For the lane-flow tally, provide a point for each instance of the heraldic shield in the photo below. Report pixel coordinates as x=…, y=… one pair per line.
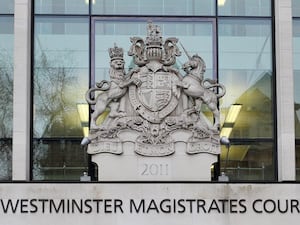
x=153, y=99
x=155, y=91
x=153, y=107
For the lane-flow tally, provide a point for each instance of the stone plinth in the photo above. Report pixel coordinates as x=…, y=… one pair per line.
x=130, y=166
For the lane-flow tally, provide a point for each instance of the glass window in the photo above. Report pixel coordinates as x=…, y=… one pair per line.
x=296, y=59
x=154, y=7
x=61, y=77
x=61, y=71
x=6, y=95
x=296, y=8
x=7, y=6
x=61, y=6
x=196, y=37
x=244, y=7
x=245, y=68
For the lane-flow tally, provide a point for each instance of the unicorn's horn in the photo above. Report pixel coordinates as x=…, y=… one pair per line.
x=185, y=51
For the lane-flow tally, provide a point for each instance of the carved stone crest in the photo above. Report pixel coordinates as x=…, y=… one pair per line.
x=154, y=106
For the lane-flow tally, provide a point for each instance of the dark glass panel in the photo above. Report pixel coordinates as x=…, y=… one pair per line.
x=297, y=161
x=5, y=159
x=58, y=159
x=252, y=161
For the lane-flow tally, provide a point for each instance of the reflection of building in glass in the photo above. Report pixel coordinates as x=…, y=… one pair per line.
x=255, y=118
x=253, y=121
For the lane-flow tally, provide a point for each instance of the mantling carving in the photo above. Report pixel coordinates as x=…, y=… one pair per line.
x=153, y=105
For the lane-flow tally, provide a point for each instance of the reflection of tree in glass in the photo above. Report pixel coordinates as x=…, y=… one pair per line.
x=55, y=87
x=39, y=153
x=6, y=104
x=5, y=160
x=6, y=94
x=56, y=91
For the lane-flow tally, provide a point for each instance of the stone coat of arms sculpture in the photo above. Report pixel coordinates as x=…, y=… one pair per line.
x=154, y=105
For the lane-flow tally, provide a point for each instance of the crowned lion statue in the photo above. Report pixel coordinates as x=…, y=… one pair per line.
x=111, y=91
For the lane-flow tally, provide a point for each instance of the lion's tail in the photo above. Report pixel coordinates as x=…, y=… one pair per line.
x=88, y=96
x=222, y=92
x=101, y=86
x=212, y=84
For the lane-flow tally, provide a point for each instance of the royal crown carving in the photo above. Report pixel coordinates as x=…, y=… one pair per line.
x=116, y=53
x=153, y=105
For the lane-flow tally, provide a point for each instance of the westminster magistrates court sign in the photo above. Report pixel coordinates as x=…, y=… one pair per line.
x=148, y=204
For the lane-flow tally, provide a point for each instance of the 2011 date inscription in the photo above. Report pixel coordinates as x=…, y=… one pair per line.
x=154, y=169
